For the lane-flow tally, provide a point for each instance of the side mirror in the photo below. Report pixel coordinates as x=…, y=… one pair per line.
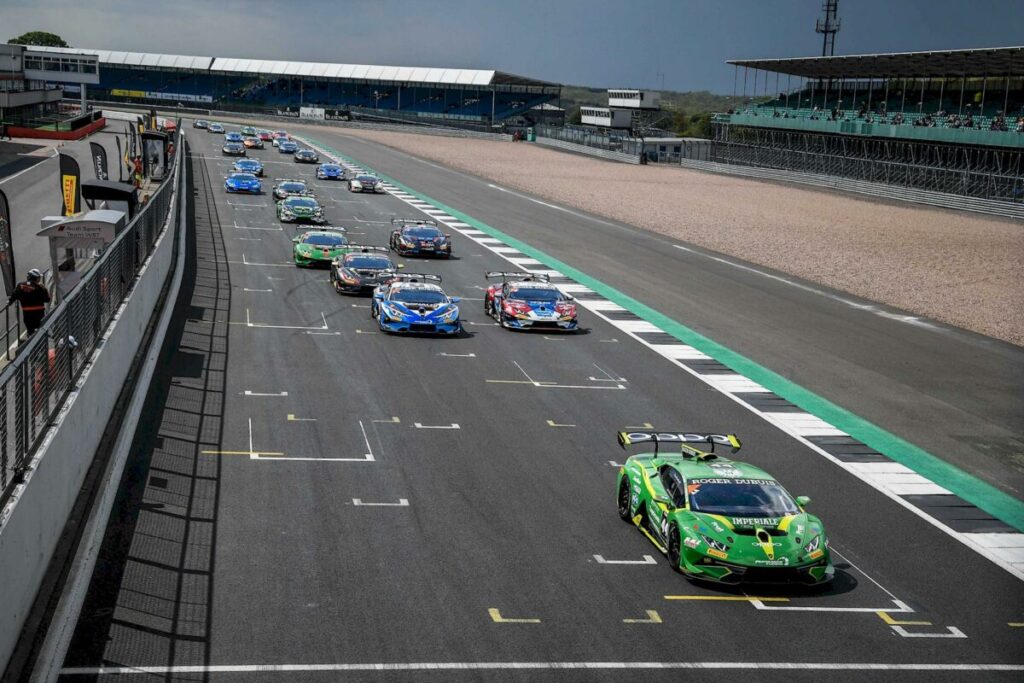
x=803, y=501
x=664, y=501
x=456, y=299
x=448, y=235
x=296, y=239
x=569, y=297
x=400, y=266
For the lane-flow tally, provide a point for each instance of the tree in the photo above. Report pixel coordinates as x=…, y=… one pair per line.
x=576, y=117
x=39, y=38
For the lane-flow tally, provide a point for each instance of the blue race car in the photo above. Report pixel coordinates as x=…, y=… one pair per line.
x=330, y=172
x=287, y=147
x=414, y=237
x=415, y=303
x=253, y=166
x=233, y=137
x=243, y=182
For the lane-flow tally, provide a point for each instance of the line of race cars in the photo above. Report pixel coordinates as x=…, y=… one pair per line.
x=715, y=519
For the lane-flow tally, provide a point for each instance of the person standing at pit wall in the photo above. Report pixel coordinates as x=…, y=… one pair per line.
x=33, y=297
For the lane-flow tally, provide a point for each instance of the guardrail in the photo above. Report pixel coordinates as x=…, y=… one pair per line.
x=590, y=151
x=940, y=199
x=35, y=384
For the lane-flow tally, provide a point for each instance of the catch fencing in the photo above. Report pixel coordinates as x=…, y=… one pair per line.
x=35, y=384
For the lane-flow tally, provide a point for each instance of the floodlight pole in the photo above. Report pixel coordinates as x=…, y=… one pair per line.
x=984, y=87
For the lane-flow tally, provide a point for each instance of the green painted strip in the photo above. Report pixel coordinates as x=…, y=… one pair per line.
x=985, y=496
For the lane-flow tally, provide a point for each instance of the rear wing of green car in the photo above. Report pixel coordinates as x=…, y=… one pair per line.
x=634, y=438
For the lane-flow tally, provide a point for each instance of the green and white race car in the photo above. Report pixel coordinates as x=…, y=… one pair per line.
x=320, y=246
x=718, y=519
x=301, y=209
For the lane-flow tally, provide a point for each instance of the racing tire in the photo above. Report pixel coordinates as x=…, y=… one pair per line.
x=675, y=549
x=625, y=493
x=503, y=320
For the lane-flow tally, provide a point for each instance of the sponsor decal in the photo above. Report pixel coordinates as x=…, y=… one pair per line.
x=816, y=554
x=691, y=542
x=714, y=552
x=751, y=482
x=717, y=527
x=68, y=184
x=6, y=245
x=784, y=562
x=755, y=521
x=725, y=469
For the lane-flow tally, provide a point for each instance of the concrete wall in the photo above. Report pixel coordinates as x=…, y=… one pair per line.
x=35, y=517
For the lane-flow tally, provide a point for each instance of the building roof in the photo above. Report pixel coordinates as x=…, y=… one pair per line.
x=361, y=72
x=994, y=61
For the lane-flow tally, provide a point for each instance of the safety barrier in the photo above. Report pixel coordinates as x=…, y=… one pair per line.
x=34, y=385
x=940, y=199
x=590, y=151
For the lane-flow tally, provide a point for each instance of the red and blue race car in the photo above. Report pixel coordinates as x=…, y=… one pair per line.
x=527, y=301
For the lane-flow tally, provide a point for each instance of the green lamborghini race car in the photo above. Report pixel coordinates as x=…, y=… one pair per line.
x=319, y=247
x=718, y=519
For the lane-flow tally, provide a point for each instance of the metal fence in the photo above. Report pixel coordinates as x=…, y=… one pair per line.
x=592, y=138
x=35, y=384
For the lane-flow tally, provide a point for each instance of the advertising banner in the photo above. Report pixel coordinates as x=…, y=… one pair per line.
x=99, y=161
x=311, y=113
x=6, y=247
x=70, y=179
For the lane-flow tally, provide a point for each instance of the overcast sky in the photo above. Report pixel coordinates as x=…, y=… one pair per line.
x=600, y=43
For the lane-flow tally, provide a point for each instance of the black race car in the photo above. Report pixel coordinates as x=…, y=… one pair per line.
x=362, y=269
x=306, y=156
x=234, y=149
x=414, y=237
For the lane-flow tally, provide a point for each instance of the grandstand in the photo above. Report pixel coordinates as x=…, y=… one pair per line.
x=949, y=121
x=466, y=96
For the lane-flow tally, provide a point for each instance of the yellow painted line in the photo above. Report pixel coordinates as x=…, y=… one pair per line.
x=645, y=425
x=652, y=618
x=498, y=619
x=292, y=418
x=893, y=622
x=249, y=453
x=552, y=423
x=724, y=598
x=1015, y=624
x=651, y=538
x=393, y=421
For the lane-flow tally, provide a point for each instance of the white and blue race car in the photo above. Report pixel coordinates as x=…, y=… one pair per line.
x=243, y=182
x=415, y=303
x=330, y=172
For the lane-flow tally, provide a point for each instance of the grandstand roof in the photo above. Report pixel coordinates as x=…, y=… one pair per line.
x=361, y=72
x=994, y=61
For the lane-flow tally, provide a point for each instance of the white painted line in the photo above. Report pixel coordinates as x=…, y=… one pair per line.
x=998, y=540
x=901, y=607
x=647, y=560
x=402, y=503
x=26, y=170
x=324, y=334
x=681, y=352
x=250, y=323
x=734, y=384
x=250, y=239
x=246, y=289
x=634, y=326
x=612, y=463
x=458, y=355
x=953, y=632
x=508, y=250
x=254, y=393
x=804, y=424
x=519, y=261
x=377, y=667
x=869, y=308
x=453, y=425
x=487, y=240
x=601, y=305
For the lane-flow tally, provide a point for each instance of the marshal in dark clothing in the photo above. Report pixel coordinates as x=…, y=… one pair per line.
x=33, y=298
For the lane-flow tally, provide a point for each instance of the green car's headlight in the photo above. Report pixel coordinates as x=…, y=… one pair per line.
x=813, y=545
x=712, y=543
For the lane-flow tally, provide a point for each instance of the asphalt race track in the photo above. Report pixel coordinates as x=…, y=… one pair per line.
x=315, y=500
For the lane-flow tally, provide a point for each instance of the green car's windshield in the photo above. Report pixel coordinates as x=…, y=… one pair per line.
x=325, y=240
x=301, y=203
x=740, y=497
